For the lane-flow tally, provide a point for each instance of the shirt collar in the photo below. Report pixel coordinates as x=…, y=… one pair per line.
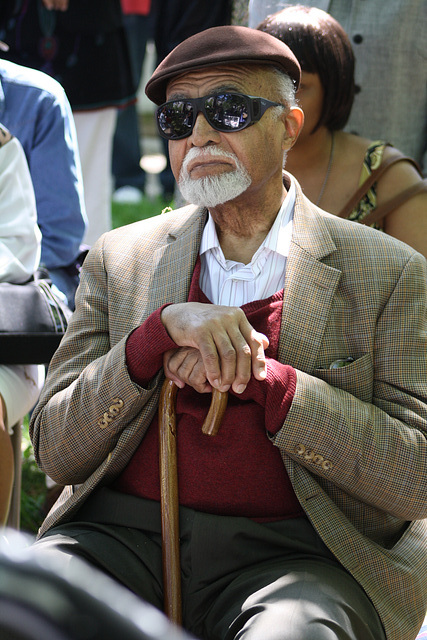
x=278, y=238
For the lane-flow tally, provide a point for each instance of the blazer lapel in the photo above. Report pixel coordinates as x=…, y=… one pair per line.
x=173, y=264
x=309, y=289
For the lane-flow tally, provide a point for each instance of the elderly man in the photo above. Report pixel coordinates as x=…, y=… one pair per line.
x=302, y=518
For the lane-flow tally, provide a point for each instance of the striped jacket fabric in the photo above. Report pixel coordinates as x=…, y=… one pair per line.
x=354, y=441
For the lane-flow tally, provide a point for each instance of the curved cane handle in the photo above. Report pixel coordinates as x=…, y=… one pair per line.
x=216, y=412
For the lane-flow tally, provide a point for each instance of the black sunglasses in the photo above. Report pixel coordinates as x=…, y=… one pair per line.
x=224, y=111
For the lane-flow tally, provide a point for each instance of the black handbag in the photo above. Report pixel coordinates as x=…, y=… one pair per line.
x=33, y=320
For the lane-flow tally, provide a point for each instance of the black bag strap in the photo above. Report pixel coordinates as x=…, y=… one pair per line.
x=394, y=156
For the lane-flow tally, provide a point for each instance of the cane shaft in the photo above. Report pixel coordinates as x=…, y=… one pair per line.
x=169, y=503
x=169, y=499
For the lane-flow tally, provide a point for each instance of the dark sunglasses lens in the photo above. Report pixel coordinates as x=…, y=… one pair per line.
x=175, y=119
x=227, y=111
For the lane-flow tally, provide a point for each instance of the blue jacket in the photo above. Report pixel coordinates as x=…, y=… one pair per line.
x=35, y=109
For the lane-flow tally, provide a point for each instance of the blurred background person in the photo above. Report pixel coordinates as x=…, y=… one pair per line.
x=174, y=21
x=391, y=66
x=329, y=163
x=83, y=45
x=128, y=175
x=20, y=243
x=35, y=109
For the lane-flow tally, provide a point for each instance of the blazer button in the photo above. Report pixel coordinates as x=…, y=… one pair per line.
x=327, y=465
x=309, y=455
x=114, y=410
x=300, y=449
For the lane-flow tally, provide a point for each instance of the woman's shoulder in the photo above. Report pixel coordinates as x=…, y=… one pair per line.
x=364, y=150
x=401, y=172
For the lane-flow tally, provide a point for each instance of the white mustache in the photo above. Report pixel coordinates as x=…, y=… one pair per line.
x=196, y=153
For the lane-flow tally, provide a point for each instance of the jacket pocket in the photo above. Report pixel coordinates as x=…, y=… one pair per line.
x=356, y=377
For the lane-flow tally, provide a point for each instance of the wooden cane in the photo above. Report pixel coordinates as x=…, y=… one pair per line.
x=169, y=501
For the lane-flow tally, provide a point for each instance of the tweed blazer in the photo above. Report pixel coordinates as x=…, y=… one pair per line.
x=354, y=441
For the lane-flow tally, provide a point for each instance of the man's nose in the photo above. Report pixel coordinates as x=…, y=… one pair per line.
x=203, y=133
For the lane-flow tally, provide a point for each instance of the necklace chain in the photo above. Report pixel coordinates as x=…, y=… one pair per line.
x=328, y=170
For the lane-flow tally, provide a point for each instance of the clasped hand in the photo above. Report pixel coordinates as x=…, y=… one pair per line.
x=218, y=347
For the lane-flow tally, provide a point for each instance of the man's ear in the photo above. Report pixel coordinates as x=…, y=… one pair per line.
x=294, y=121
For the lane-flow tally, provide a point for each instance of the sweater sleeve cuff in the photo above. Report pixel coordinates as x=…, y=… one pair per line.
x=274, y=394
x=145, y=347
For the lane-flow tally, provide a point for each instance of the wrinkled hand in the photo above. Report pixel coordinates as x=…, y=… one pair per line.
x=56, y=5
x=185, y=366
x=221, y=348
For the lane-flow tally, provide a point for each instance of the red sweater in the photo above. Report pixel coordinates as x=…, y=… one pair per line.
x=239, y=472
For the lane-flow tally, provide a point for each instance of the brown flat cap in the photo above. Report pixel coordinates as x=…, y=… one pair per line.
x=218, y=46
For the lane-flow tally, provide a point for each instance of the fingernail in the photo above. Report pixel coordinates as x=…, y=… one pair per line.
x=240, y=388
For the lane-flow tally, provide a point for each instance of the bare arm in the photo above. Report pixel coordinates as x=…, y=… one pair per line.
x=408, y=222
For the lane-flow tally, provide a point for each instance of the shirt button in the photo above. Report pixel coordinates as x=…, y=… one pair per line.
x=357, y=39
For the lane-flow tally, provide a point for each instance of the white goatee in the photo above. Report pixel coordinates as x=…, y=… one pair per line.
x=211, y=191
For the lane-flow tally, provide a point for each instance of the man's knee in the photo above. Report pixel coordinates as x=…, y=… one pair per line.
x=316, y=602
x=283, y=621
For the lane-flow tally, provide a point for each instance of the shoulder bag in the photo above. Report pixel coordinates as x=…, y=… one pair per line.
x=33, y=320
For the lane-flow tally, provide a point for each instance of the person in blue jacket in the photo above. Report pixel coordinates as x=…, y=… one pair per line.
x=35, y=109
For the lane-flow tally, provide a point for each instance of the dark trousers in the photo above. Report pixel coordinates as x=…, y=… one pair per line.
x=240, y=579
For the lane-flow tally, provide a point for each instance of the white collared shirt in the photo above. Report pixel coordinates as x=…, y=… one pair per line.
x=232, y=283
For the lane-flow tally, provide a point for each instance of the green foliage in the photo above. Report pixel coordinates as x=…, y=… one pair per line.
x=33, y=489
x=127, y=213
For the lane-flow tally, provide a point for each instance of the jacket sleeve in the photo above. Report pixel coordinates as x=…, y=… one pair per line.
x=88, y=399
x=57, y=178
x=375, y=449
